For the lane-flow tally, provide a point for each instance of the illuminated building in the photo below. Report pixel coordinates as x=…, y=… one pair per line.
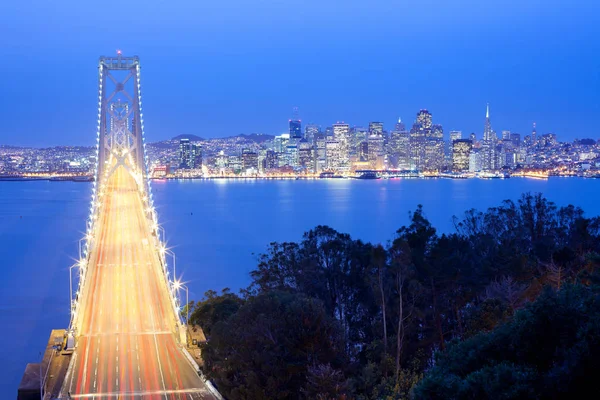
x=376, y=128
x=334, y=151
x=320, y=152
x=295, y=129
x=249, y=160
x=270, y=161
x=310, y=132
x=461, y=154
x=185, y=154
x=376, y=151
x=340, y=157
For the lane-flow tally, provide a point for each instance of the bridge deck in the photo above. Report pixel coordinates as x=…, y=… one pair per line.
x=126, y=346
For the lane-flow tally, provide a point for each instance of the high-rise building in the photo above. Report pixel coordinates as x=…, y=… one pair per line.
x=419, y=133
x=533, y=135
x=310, y=132
x=489, y=145
x=434, y=151
x=376, y=151
x=249, y=160
x=334, y=150
x=455, y=135
x=305, y=155
x=461, y=154
x=487, y=127
x=505, y=135
x=515, y=138
x=402, y=145
x=363, y=151
x=475, y=160
x=186, y=160
x=197, y=156
x=295, y=129
x=321, y=152
x=400, y=127
x=376, y=128
x=341, y=134
x=271, y=161
x=358, y=135
x=280, y=142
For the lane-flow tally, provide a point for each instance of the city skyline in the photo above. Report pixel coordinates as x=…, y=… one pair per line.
x=247, y=66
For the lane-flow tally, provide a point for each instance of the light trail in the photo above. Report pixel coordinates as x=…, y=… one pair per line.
x=127, y=325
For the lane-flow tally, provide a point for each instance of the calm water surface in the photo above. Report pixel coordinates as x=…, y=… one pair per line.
x=215, y=227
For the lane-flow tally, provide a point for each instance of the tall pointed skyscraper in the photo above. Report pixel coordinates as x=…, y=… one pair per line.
x=487, y=128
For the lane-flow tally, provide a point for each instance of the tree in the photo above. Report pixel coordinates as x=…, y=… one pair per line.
x=267, y=348
x=214, y=308
x=549, y=350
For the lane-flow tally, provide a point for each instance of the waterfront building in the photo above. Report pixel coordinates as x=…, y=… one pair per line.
x=341, y=135
x=335, y=155
x=320, y=152
x=419, y=133
x=305, y=155
x=271, y=161
x=461, y=154
x=197, y=154
x=235, y=163
x=475, y=160
x=186, y=159
x=489, y=144
x=375, y=151
x=249, y=160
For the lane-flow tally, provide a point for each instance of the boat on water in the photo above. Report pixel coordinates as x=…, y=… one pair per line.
x=329, y=175
x=368, y=175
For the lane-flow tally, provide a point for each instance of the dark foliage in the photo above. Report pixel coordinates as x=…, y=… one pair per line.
x=384, y=313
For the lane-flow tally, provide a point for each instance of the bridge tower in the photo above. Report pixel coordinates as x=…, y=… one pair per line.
x=120, y=120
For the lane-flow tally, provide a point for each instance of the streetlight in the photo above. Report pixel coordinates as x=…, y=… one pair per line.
x=169, y=252
x=177, y=285
x=71, y=286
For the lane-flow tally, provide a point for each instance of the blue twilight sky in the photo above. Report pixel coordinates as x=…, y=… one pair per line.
x=223, y=67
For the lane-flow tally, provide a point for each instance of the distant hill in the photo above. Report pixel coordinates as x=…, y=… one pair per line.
x=193, y=138
x=254, y=137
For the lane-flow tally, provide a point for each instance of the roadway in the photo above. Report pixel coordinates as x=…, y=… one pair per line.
x=126, y=345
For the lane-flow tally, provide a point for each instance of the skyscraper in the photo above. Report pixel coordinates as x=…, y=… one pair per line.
x=295, y=129
x=376, y=152
x=196, y=156
x=419, y=133
x=461, y=154
x=249, y=160
x=320, y=152
x=341, y=134
x=434, y=151
x=515, y=139
x=489, y=155
x=310, y=132
x=185, y=154
x=400, y=127
x=533, y=135
x=455, y=135
x=376, y=128
x=305, y=155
